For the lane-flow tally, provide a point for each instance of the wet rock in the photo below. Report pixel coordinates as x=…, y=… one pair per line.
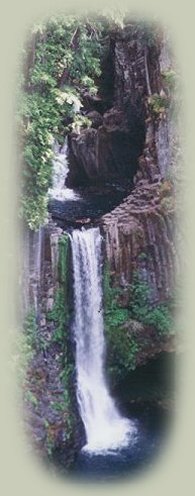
x=104, y=153
x=114, y=119
x=95, y=118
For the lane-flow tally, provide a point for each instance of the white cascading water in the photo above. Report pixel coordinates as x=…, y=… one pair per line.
x=105, y=428
x=60, y=170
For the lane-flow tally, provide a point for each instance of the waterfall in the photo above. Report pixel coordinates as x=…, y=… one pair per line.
x=104, y=426
x=60, y=171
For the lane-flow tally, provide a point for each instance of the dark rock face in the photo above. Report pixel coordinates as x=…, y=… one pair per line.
x=109, y=151
x=95, y=118
x=136, y=67
x=139, y=238
x=140, y=232
x=126, y=138
x=50, y=421
x=112, y=146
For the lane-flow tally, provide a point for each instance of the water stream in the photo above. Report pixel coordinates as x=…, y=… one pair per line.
x=105, y=428
x=60, y=170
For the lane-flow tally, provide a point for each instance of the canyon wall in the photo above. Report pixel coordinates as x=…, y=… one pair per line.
x=139, y=234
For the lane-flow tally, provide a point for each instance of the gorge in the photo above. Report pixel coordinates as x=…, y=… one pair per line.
x=99, y=275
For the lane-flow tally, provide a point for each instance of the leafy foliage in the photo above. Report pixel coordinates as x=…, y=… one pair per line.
x=31, y=329
x=60, y=312
x=60, y=404
x=158, y=104
x=140, y=308
x=58, y=315
x=62, y=61
x=122, y=349
x=122, y=344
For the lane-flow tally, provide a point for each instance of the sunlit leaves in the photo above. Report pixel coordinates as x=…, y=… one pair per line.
x=64, y=61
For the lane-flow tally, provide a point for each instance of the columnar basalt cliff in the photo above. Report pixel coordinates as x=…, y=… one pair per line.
x=139, y=238
x=140, y=232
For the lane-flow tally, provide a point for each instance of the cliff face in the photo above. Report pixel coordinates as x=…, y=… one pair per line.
x=50, y=411
x=111, y=147
x=139, y=234
x=139, y=238
x=40, y=255
x=111, y=151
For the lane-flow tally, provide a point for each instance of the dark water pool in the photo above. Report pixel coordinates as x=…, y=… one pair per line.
x=151, y=424
x=146, y=443
x=146, y=398
x=92, y=203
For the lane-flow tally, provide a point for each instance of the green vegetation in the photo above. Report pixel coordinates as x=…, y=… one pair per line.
x=36, y=380
x=122, y=347
x=168, y=97
x=158, y=104
x=34, y=339
x=25, y=346
x=31, y=329
x=170, y=79
x=140, y=308
x=124, y=325
x=60, y=314
x=61, y=63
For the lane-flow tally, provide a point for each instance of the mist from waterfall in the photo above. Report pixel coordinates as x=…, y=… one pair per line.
x=105, y=428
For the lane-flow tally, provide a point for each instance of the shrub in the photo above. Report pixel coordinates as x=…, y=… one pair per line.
x=61, y=61
x=158, y=104
x=140, y=308
x=123, y=345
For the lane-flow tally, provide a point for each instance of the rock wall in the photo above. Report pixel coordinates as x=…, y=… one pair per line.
x=112, y=145
x=139, y=238
x=40, y=250
x=50, y=407
x=107, y=152
x=139, y=234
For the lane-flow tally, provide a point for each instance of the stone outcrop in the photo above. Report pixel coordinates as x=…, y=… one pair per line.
x=139, y=238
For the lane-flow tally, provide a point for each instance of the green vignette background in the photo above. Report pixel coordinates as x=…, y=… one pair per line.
x=174, y=472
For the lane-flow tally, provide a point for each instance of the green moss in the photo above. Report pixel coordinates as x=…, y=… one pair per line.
x=158, y=104
x=158, y=316
x=34, y=339
x=170, y=78
x=63, y=246
x=121, y=347
x=123, y=340
x=60, y=315
x=60, y=312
